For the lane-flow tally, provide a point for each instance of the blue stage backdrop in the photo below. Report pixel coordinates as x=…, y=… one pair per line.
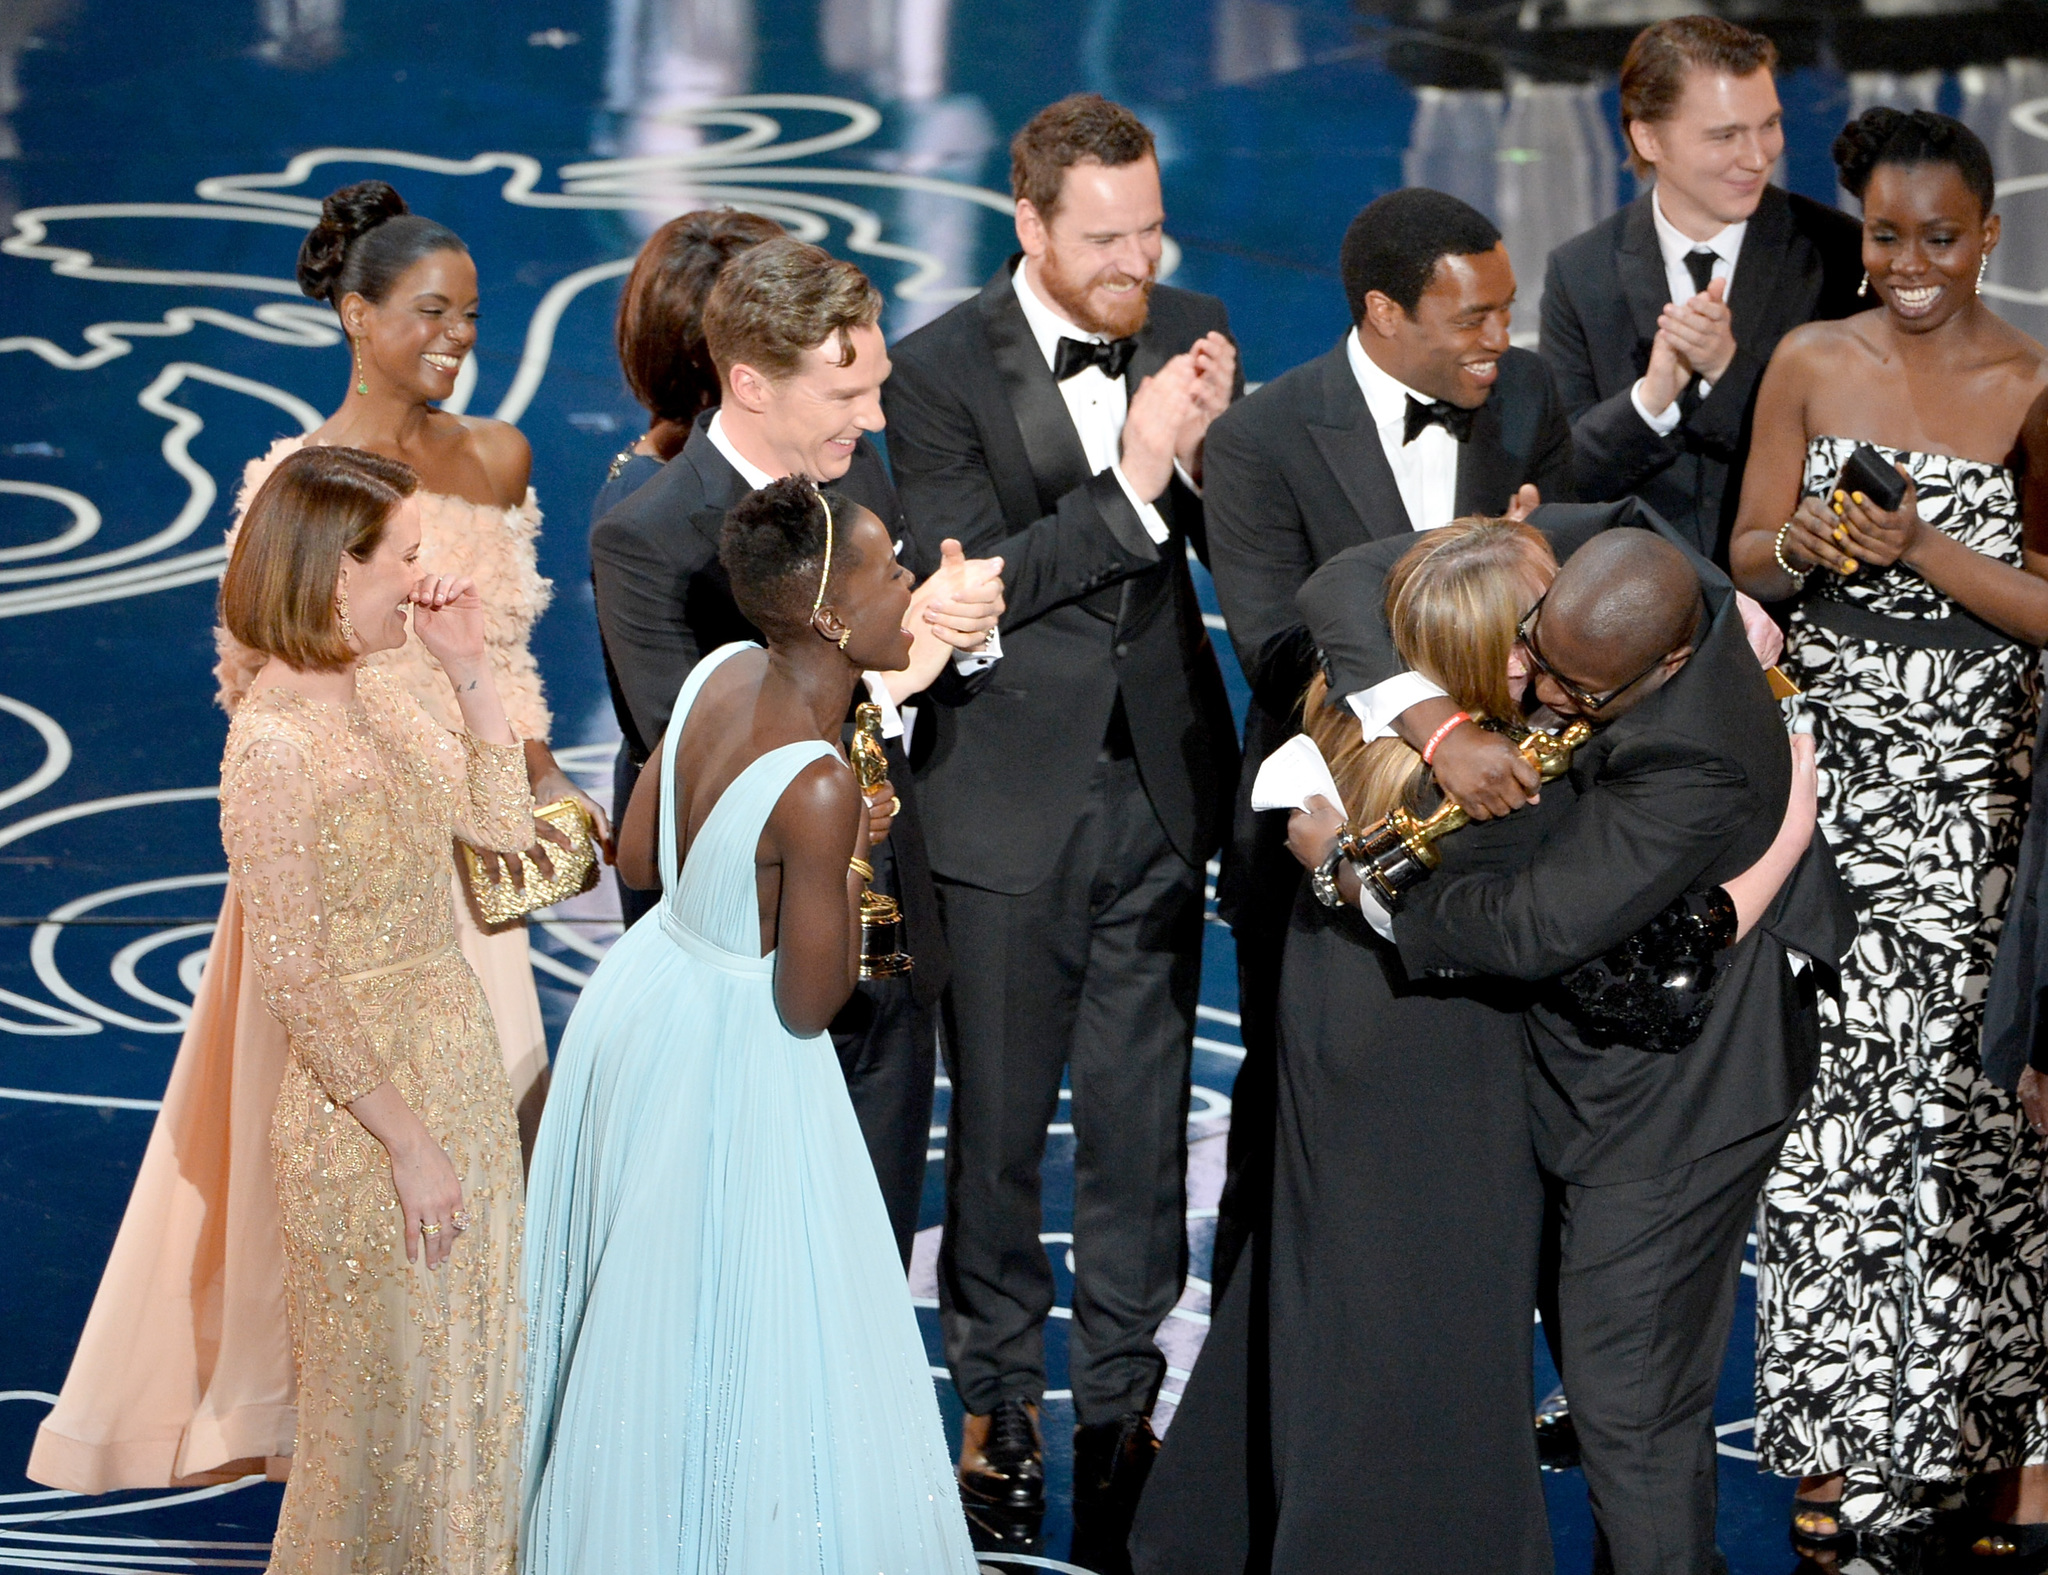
x=157, y=170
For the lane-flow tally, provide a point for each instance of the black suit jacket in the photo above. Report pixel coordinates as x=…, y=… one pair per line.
x=984, y=450
x=1799, y=261
x=1681, y=793
x=664, y=601
x=1295, y=474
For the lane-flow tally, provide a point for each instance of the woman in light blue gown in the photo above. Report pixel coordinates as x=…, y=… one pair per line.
x=725, y=1372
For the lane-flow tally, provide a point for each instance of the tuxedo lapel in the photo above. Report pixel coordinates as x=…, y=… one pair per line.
x=1349, y=442
x=1053, y=447
x=721, y=485
x=1486, y=470
x=1765, y=278
x=1640, y=267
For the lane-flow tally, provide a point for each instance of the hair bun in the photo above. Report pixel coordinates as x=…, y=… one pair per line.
x=345, y=217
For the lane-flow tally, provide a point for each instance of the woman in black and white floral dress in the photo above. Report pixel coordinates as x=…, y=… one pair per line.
x=1902, y=1246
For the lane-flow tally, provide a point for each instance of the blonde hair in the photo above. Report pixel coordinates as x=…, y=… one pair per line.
x=1453, y=603
x=277, y=596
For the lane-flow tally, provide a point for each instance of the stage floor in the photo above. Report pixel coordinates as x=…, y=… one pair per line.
x=156, y=174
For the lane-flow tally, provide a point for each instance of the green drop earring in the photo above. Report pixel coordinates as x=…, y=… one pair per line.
x=362, y=387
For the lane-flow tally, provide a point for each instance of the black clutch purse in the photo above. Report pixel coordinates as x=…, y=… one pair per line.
x=1655, y=990
x=1866, y=471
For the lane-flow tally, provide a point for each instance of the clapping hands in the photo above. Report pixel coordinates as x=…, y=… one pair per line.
x=1695, y=338
x=1171, y=411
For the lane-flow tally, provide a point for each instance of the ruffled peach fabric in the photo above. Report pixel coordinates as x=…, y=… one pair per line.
x=184, y=1371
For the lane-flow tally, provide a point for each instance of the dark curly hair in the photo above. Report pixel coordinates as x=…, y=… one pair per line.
x=1912, y=136
x=773, y=550
x=1394, y=244
x=661, y=314
x=365, y=239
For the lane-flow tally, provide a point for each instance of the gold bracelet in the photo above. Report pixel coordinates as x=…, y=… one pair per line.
x=862, y=868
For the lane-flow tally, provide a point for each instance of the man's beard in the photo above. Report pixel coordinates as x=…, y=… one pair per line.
x=1078, y=306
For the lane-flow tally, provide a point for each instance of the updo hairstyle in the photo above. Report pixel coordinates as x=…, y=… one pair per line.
x=278, y=594
x=773, y=550
x=1912, y=136
x=365, y=240
x=661, y=314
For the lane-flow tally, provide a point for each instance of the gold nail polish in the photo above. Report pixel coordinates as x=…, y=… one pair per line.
x=1860, y=498
x=1848, y=565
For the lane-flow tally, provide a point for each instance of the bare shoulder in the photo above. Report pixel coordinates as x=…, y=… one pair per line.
x=816, y=817
x=506, y=456
x=1824, y=346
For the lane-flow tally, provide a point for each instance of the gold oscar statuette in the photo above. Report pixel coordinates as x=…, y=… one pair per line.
x=1397, y=853
x=881, y=920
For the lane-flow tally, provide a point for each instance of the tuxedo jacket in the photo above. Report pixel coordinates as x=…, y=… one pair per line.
x=664, y=601
x=1293, y=475
x=1601, y=297
x=1680, y=794
x=985, y=450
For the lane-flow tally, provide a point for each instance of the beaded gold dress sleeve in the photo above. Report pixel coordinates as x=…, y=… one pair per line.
x=336, y=821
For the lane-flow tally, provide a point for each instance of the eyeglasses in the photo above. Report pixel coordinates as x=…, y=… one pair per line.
x=1584, y=699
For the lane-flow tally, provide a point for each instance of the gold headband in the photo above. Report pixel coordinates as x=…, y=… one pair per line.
x=824, y=574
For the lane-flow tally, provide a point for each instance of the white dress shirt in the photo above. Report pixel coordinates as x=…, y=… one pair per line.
x=1726, y=246
x=893, y=718
x=1097, y=402
x=1426, y=472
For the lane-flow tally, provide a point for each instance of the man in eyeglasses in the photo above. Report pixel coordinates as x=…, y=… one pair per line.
x=1654, y=1158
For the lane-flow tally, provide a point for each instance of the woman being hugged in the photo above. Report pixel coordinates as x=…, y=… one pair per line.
x=1901, y=1244
x=405, y=291
x=393, y=1143
x=727, y=1372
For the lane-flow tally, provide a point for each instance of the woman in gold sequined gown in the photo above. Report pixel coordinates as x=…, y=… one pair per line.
x=395, y=1149
x=183, y=1372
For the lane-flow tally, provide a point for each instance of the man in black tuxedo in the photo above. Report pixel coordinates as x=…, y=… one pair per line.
x=795, y=336
x=1655, y=1158
x=1659, y=321
x=1420, y=414
x=1056, y=421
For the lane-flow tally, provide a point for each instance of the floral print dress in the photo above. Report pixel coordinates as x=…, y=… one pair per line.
x=1902, y=1250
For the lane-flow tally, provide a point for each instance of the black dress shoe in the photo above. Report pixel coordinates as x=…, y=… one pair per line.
x=1557, y=1437
x=1112, y=1460
x=1002, y=1462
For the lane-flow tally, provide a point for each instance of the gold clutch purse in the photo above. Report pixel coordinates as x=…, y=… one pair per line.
x=500, y=900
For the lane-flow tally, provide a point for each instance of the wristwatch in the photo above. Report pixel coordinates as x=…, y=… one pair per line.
x=1322, y=879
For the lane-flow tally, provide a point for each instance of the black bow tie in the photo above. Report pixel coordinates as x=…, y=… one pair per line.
x=1454, y=419
x=1075, y=356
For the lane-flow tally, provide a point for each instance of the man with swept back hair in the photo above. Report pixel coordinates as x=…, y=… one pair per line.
x=1654, y=1158
x=795, y=336
x=1058, y=421
x=1658, y=322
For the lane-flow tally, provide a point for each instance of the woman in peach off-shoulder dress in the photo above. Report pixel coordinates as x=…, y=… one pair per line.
x=184, y=1370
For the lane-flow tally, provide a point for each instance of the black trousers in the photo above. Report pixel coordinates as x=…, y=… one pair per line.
x=1646, y=1279
x=1096, y=972
x=886, y=1043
